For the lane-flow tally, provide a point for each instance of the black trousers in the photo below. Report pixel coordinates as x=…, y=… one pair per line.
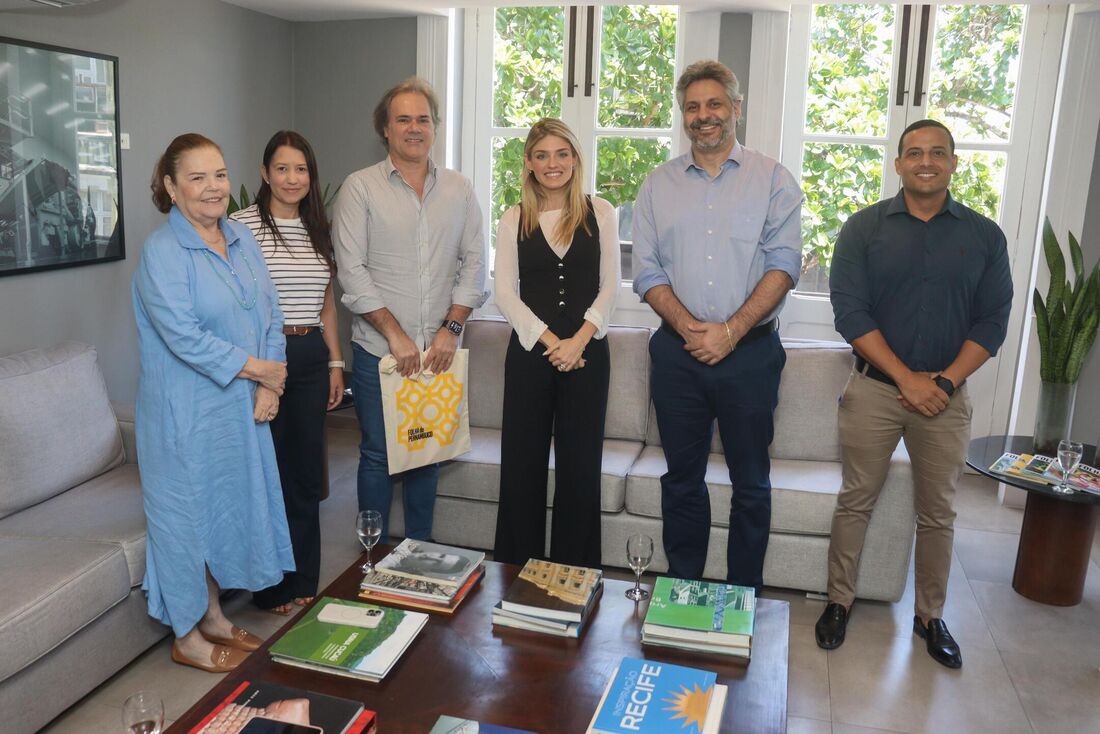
x=741, y=391
x=540, y=401
x=298, y=432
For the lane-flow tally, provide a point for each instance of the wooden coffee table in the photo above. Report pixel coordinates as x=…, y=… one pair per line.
x=461, y=665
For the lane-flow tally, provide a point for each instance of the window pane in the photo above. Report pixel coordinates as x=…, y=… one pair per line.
x=637, y=66
x=979, y=181
x=973, y=78
x=838, y=181
x=849, y=80
x=506, y=181
x=527, y=62
x=621, y=166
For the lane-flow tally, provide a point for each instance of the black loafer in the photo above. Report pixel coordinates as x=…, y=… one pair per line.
x=831, y=626
x=941, y=645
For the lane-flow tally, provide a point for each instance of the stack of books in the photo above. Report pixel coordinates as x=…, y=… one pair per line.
x=270, y=702
x=424, y=575
x=644, y=697
x=704, y=616
x=550, y=598
x=1046, y=470
x=348, y=638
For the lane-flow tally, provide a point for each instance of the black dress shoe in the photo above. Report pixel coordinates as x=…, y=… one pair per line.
x=941, y=645
x=831, y=626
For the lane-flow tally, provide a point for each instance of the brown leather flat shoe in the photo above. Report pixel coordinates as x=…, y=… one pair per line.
x=241, y=639
x=222, y=660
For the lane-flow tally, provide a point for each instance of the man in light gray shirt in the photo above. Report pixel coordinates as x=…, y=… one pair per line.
x=410, y=256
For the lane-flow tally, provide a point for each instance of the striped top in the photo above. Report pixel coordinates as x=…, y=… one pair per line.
x=300, y=275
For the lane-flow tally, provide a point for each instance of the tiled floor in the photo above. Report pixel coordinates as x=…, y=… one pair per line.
x=1027, y=667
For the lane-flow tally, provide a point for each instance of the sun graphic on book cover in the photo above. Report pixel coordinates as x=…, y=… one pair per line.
x=690, y=705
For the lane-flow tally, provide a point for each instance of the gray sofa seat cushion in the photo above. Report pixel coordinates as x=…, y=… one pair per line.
x=57, y=428
x=63, y=586
x=476, y=474
x=107, y=509
x=803, y=492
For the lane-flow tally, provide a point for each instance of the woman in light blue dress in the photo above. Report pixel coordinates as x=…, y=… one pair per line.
x=212, y=370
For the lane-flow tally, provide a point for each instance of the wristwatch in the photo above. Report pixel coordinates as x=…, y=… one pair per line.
x=454, y=327
x=944, y=384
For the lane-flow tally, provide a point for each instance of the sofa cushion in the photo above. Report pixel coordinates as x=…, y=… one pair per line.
x=803, y=492
x=63, y=586
x=57, y=428
x=476, y=474
x=805, y=418
x=487, y=340
x=107, y=509
x=627, y=416
x=812, y=382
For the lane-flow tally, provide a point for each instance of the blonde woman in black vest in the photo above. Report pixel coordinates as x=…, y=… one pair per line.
x=557, y=272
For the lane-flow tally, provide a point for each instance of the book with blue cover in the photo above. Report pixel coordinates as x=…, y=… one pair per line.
x=646, y=697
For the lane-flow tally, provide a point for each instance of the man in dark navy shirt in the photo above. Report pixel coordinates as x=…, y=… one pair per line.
x=921, y=289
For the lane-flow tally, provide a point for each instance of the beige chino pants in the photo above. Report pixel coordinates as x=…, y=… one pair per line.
x=871, y=421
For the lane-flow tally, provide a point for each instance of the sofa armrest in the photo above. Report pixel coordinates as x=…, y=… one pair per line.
x=124, y=413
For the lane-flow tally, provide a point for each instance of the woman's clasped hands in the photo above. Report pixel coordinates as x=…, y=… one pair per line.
x=565, y=354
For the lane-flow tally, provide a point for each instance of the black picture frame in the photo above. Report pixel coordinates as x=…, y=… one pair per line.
x=60, y=158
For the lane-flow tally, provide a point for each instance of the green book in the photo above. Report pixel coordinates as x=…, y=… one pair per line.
x=700, y=612
x=349, y=638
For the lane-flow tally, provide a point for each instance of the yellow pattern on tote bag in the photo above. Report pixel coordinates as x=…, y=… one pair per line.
x=429, y=410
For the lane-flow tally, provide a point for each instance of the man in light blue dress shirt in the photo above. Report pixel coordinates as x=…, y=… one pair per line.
x=409, y=249
x=717, y=245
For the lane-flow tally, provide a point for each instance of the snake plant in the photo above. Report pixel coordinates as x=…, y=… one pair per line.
x=1067, y=320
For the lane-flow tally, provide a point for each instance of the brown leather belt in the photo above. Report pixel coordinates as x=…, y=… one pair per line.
x=297, y=330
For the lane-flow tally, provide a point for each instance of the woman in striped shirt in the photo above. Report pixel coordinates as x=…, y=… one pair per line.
x=290, y=224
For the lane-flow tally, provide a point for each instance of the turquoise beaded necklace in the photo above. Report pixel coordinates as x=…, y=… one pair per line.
x=246, y=305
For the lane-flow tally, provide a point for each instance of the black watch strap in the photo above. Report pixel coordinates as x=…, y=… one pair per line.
x=944, y=384
x=453, y=326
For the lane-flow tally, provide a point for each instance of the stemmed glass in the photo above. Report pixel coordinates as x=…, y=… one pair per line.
x=143, y=713
x=1069, y=456
x=368, y=524
x=639, y=552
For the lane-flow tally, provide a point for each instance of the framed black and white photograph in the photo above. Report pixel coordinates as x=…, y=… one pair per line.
x=60, y=178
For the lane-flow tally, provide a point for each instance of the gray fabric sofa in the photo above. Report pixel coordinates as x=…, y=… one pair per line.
x=805, y=468
x=72, y=536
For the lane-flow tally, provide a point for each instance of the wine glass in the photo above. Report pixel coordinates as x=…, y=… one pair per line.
x=368, y=524
x=143, y=713
x=639, y=552
x=1069, y=456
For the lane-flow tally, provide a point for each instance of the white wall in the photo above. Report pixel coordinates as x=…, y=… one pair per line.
x=200, y=65
x=1066, y=198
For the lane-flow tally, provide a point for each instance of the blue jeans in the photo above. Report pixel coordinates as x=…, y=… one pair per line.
x=741, y=391
x=375, y=486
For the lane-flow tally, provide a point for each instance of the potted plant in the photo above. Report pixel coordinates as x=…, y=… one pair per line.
x=1067, y=324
